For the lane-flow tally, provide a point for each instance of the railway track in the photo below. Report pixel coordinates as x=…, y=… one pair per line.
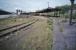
x=1, y=30
x=11, y=30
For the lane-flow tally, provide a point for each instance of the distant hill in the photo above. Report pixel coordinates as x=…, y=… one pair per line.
x=3, y=12
x=66, y=7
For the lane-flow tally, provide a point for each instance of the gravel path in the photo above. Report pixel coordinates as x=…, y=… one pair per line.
x=64, y=36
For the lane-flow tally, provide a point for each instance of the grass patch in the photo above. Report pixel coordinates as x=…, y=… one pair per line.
x=50, y=22
x=11, y=21
x=40, y=38
x=61, y=28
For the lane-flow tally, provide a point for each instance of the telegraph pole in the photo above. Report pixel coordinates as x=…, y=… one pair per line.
x=48, y=4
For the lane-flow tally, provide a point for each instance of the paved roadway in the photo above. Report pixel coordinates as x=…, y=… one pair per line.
x=64, y=35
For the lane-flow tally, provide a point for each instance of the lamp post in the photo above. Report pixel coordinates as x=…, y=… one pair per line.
x=16, y=11
x=71, y=12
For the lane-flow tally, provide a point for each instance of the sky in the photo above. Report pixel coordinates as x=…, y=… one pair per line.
x=30, y=5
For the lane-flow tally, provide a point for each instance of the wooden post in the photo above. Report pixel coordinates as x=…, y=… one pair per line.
x=71, y=12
